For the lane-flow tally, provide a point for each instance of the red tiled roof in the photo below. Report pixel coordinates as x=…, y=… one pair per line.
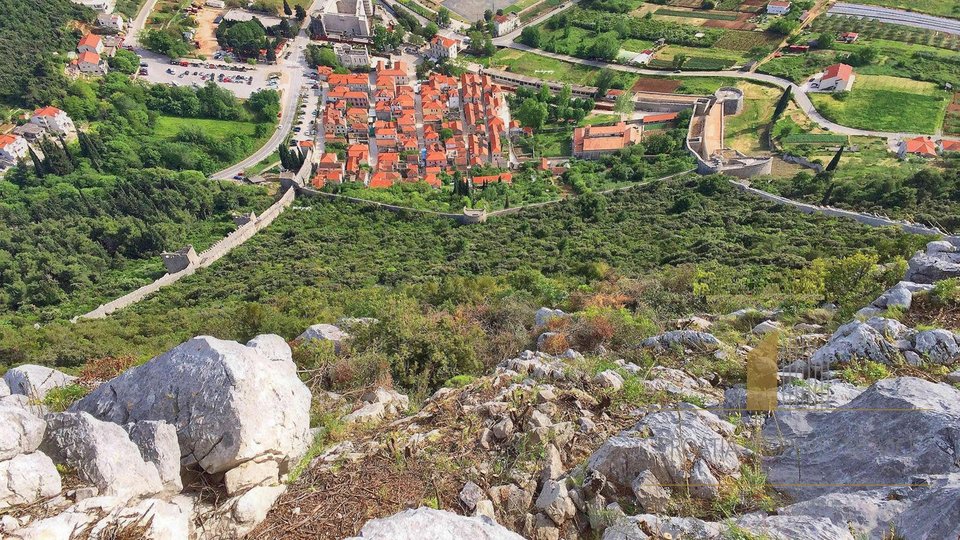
x=950, y=146
x=47, y=111
x=7, y=139
x=90, y=40
x=840, y=71
x=923, y=146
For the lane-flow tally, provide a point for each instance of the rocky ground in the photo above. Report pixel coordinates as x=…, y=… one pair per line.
x=217, y=439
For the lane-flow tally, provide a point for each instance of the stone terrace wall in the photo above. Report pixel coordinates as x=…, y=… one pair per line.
x=207, y=257
x=866, y=219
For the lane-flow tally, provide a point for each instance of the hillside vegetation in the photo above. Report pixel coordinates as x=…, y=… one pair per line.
x=32, y=32
x=450, y=288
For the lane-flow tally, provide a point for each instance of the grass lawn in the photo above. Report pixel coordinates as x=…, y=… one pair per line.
x=555, y=143
x=942, y=8
x=878, y=103
x=746, y=131
x=534, y=65
x=169, y=126
x=599, y=118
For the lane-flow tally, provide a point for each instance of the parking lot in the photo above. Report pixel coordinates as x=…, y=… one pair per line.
x=304, y=129
x=240, y=79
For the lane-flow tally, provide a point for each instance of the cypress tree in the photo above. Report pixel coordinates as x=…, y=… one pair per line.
x=835, y=161
x=782, y=104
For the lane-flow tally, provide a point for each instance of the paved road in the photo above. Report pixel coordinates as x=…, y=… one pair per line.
x=897, y=16
x=133, y=32
x=801, y=98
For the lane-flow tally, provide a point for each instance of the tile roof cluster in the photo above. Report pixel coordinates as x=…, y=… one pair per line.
x=592, y=140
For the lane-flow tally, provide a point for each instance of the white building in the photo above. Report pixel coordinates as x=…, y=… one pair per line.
x=112, y=23
x=91, y=63
x=504, y=24
x=12, y=148
x=778, y=7
x=347, y=17
x=352, y=56
x=53, y=120
x=216, y=4
x=90, y=43
x=443, y=47
x=837, y=78
x=103, y=6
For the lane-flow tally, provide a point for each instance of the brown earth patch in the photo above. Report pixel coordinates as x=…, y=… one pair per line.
x=649, y=84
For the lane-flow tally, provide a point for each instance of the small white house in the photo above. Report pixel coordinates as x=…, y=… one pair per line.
x=90, y=43
x=778, y=7
x=216, y=4
x=352, y=56
x=111, y=23
x=91, y=63
x=12, y=148
x=53, y=120
x=443, y=47
x=504, y=24
x=837, y=78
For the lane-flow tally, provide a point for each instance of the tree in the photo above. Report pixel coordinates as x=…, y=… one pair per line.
x=825, y=40
x=659, y=144
x=488, y=15
x=532, y=113
x=679, y=60
x=782, y=103
x=835, y=161
x=286, y=9
x=272, y=53
x=265, y=104
x=246, y=38
x=604, y=80
x=606, y=47
x=863, y=56
x=531, y=36
x=124, y=61
x=624, y=104
x=784, y=26
x=443, y=17
x=429, y=30
x=301, y=13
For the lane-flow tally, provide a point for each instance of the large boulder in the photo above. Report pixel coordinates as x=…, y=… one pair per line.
x=873, y=340
x=938, y=346
x=227, y=402
x=27, y=478
x=429, y=524
x=638, y=527
x=35, y=381
x=274, y=348
x=544, y=314
x=793, y=528
x=377, y=405
x=158, y=444
x=21, y=431
x=941, y=261
x=688, y=447
x=686, y=339
x=895, y=429
x=325, y=332
x=102, y=453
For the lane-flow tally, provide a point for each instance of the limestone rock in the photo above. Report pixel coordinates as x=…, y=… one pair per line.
x=102, y=454
x=377, y=405
x=158, y=444
x=609, y=379
x=648, y=492
x=470, y=495
x=938, y=346
x=633, y=527
x=856, y=340
x=21, y=431
x=767, y=327
x=544, y=314
x=275, y=349
x=102, y=517
x=793, y=527
x=325, y=332
x=228, y=403
x=666, y=444
x=894, y=429
x=27, y=478
x=35, y=381
x=678, y=383
x=692, y=323
x=552, y=464
x=934, y=265
x=4, y=389
x=555, y=502
x=429, y=524
x=251, y=474
x=683, y=338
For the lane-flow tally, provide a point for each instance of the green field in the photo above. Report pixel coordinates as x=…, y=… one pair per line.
x=886, y=104
x=168, y=127
x=814, y=138
x=534, y=65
